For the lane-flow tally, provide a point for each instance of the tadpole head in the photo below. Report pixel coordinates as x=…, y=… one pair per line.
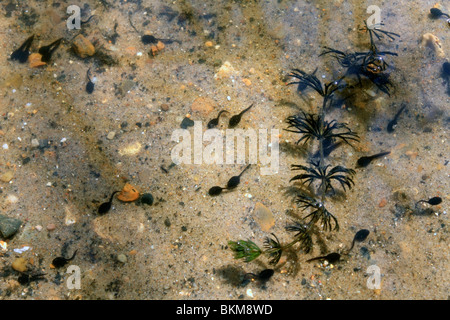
x=215, y=191
x=361, y=235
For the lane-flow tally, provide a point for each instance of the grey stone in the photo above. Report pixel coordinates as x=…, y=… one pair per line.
x=9, y=226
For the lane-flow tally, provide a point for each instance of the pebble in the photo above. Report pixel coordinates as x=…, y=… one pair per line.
x=35, y=143
x=433, y=42
x=111, y=135
x=9, y=226
x=128, y=194
x=51, y=227
x=165, y=107
x=203, y=105
x=7, y=176
x=226, y=70
x=38, y=228
x=186, y=123
x=11, y=199
x=130, y=149
x=34, y=60
x=263, y=216
x=83, y=47
x=122, y=258
x=20, y=264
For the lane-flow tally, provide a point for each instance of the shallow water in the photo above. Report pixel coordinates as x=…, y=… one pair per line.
x=231, y=54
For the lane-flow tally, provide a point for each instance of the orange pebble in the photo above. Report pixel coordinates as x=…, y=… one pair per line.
x=382, y=203
x=128, y=193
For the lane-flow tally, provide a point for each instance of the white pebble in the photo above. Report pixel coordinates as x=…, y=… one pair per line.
x=5, y=146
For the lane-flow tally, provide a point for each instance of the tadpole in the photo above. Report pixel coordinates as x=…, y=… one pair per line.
x=106, y=206
x=235, y=180
x=214, y=122
x=47, y=51
x=21, y=54
x=365, y=161
x=90, y=85
x=360, y=236
x=432, y=201
x=331, y=258
x=59, y=262
x=234, y=120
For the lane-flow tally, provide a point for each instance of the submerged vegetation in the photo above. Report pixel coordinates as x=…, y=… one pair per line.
x=321, y=178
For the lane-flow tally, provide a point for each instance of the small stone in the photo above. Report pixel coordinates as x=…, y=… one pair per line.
x=9, y=226
x=35, y=143
x=51, y=227
x=263, y=216
x=165, y=107
x=111, y=135
x=160, y=45
x=209, y=44
x=83, y=47
x=131, y=149
x=431, y=41
x=7, y=176
x=128, y=194
x=34, y=60
x=203, y=105
x=247, y=82
x=20, y=264
x=186, y=123
x=122, y=258
x=11, y=199
x=38, y=228
x=226, y=70
x=167, y=222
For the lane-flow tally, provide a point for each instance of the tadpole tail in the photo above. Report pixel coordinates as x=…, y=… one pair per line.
x=245, y=110
x=244, y=169
x=73, y=256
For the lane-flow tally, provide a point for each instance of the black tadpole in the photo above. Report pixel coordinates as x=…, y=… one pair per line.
x=232, y=183
x=365, y=161
x=215, y=191
x=437, y=13
x=22, y=53
x=391, y=125
x=331, y=258
x=47, y=51
x=149, y=39
x=432, y=201
x=234, y=120
x=360, y=236
x=59, y=262
x=235, y=180
x=90, y=85
x=214, y=122
x=105, y=206
x=262, y=276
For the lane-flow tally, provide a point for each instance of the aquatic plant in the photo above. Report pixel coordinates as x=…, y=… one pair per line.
x=321, y=177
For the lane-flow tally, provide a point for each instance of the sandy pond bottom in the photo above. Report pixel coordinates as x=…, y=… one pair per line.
x=64, y=151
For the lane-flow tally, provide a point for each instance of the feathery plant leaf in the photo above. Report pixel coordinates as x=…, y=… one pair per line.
x=273, y=249
x=313, y=126
x=246, y=250
x=302, y=236
x=319, y=213
x=321, y=173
